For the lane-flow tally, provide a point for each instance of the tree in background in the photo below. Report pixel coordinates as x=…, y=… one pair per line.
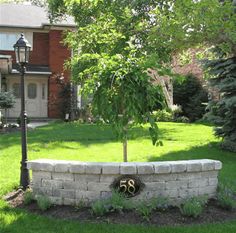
x=7, y=101
x=223, y=111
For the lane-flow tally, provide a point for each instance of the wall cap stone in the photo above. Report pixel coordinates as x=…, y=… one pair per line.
x=162, y=167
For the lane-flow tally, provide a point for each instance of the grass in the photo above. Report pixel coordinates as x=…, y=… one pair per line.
x=73, y=141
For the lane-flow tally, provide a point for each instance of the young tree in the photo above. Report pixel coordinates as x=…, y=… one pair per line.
x=111, y=57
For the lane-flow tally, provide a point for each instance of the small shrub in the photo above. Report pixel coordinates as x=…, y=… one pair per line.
x=193, y=207
x=43, y=203
x=28, y=197
x=145, y=208
x=226, y=197
x=163, y=115
x=100, y=207
x=119, y=202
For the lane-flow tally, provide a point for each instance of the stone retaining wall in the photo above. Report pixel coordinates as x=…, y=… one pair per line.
x=70, y=182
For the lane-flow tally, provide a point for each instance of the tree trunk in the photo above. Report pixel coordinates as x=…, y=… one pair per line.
x=6, y=117
x=125, y=156
x=125, y=150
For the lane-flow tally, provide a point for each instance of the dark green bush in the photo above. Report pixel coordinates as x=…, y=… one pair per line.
x=190, y=94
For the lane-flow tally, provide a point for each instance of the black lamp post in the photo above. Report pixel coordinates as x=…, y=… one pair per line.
x=22, y=49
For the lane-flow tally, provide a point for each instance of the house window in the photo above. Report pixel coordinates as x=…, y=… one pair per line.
x=16, y=90
x=32, y=91
x=8, y=39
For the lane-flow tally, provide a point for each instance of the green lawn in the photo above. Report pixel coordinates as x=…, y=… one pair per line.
x=73, y=141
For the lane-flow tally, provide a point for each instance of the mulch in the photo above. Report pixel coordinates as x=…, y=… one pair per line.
x=212, y=214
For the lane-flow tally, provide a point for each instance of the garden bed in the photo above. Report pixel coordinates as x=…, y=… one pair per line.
x=170, y=217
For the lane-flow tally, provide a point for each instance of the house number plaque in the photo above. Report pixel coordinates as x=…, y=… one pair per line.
x=128, y=185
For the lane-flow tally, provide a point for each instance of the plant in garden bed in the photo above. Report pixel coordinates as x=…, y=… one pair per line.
x=226, y=196
x=99, y=208
x=193, y=207
x=145, y=208
x=118, y=202
x=43, y=202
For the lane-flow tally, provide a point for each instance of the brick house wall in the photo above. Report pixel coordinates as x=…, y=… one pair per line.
x=58, y=53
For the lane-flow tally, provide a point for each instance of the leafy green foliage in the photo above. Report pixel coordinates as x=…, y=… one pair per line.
x=190, y=94
x=163, y=115
x=145, y=208
x=99, y=207
x=193, y=207
x=7, y=100
x=112, y=61
x=119, y=202
x=43, y=202
x=223, y=111
x=226, y=196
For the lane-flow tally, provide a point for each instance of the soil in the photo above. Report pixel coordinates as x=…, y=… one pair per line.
x=212, y=214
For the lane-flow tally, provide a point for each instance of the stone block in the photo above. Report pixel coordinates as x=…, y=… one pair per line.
x=61, y=167
x=45, y=191
x=162, y=168
x=68, y=201
x=56, y=192
x=210, y=191
x=52, y=183
x=218, y=165
x=75, y=185
x=178, y=167
x=36, y=182
x=105, y=195
x=108, y=178
x=41, y=175
x=194, y=166
x=93, y=168
x=170, y=193
x=189, y=176
x=68, y=193
x=128, y=168
x=111, y=168
x=83, y=178
x=87, y=195
x=145, y=168
x=78, y=168
x=176, y=185
x=193, y=183
x=204, y=182
x=93, y=186
x=207, y=165
x=209, y=174
x=62, y=176
x=155, y=186
x=213, y=181
x=41, y=165
x=56, y=200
